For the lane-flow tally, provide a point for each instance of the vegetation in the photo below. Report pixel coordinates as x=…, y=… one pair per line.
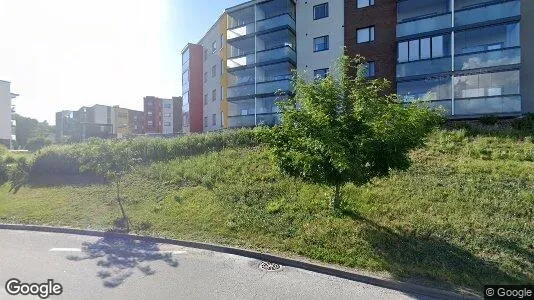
x=338, y=131
x=32, y=134
x=461, y=215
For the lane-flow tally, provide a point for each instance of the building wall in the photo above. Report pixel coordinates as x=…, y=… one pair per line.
x=167, y=116
x=177, y=115
x=308, y=29
x=212, y=83
x=383, y=50
x=192, y=88
x=5, y=112
x=527, y=57
x=153, y=111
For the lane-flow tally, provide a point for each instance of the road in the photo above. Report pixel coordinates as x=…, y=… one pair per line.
x=104, y=268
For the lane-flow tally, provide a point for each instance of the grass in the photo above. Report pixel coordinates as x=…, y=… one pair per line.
x=462, y=216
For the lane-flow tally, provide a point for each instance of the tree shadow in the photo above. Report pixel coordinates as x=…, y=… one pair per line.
x=119, y=258
x=78, y=180
x=432, y=261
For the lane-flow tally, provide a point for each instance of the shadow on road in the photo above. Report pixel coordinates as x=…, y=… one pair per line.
x=120, y=258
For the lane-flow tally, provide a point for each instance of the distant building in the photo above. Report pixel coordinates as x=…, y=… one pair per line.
x=163, y=116
x=98, y=121
x=7, y=124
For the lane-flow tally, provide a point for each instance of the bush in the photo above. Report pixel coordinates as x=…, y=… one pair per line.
x=489, y=120
x=67, y=159
x=3, y=172
x=524, y=124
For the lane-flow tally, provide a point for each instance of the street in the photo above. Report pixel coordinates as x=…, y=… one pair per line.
x=105, y=268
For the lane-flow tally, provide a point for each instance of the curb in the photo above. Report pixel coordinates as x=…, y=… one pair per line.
x=407, y=288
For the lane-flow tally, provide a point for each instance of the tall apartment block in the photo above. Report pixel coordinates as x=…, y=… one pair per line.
x=7, y=123
x=162, y=116
x=468, y=56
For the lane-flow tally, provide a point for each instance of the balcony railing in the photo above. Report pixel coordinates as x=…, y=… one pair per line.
x=236, y=32
x=487, y=105
x=276, y=54
x=274, y=22
x=240, y=61
x=241, y=91
x=487, y=13
x=423, y=67
x=424, y=25
x=271, y=87
x=493, y=58
x=268, y=119
x=241, y=121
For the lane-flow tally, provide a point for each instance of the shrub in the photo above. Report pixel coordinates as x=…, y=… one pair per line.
x=525, y=123
x=489, y=120
x=4, y=175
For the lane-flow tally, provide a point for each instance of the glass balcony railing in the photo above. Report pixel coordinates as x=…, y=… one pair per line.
x=241, y=91
x=244, y=30
x=241, y=121
x=487, y=59
x=487, y=13
x=268, y=119
x=274, y=22
x=241, y=61
x=423, y=67
x=487, y=105
x=424, y=25
x=276, y=54
x=271, y=87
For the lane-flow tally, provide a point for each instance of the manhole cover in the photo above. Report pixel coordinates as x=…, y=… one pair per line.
x=269, y=266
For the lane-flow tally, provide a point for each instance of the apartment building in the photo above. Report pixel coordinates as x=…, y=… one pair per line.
x=192, y=89
x=128, y=122
x=162, y=116
x=469, y=57
x=7, y=123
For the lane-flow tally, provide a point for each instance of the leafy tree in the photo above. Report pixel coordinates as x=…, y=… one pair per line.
x=28, y=128
x=336, y=131
x=4, y=175
x=37, y=143
x=112, y=161
x=19, y=174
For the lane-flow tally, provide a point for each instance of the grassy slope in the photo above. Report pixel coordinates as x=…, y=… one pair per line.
x=462, y=215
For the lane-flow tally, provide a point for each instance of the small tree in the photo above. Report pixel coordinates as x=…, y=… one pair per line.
x=106, y=159
x=335, y=131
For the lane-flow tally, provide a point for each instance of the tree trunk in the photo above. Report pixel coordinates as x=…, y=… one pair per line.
x=335, y=202
x=125, y=220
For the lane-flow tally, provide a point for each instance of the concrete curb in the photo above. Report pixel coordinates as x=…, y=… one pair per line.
x=408, y=288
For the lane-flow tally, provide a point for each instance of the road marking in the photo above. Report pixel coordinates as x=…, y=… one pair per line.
x=66, y=250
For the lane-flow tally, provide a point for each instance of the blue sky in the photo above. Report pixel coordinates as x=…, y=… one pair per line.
x=64, y=54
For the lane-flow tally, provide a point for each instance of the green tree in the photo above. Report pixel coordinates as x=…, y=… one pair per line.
x=37, y=143
x=28, y=128
x=112, y=161
x=347, y=129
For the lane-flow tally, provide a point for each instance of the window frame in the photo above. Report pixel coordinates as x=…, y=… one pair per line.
x=327, y=43
x=370, y=33
x=369, y=3
x=320, y=5
x=325, y=74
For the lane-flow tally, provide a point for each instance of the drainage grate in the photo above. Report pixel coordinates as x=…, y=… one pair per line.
x=269, y=266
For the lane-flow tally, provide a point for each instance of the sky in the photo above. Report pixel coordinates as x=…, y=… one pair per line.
x=65, y=54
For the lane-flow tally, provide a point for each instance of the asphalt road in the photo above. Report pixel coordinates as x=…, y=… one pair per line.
x=103, y=268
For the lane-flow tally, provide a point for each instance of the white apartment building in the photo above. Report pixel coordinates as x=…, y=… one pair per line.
x=7, y=124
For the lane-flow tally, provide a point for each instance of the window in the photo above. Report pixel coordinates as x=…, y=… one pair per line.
x=149, y=123
x=320, y=11
x=167, y=115
x=205, y=54
x=213, y=70
x=150, y=113
x=370, y=69
x=213, y=95
x=222, y=66
x=205, y=121
x=365, y=3
x=213, y=46
x=425, y=48
x=205, y=77
x=205, y=99
x=365, y=35
x=167, y=105
x=213, y=119
x=167, y=124
x=320, y=43
x=221, y=40
x=320, y=73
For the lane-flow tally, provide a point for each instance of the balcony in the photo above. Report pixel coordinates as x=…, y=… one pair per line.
x=487, y=13
x=241, y=61
x=276, y=54
x=424, y=25
x=424, y=67
x=271, y=87
x=494, y=58
x=487, y=105
x=275, y=22
x=241, y=121
x=241, y=31
x=241, y=91
x=268, y=119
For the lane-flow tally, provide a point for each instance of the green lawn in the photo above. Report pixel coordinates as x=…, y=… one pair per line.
x=462, y=216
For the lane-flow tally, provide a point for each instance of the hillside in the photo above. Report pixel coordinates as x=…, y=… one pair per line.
x=462, y=215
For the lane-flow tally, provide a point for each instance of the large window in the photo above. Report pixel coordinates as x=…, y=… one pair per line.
x=487, y=38
x=424, y=48
x=320, y=73
x=365, y=3
x=370, y=69
x=416, y=9
x=365, y=35
x=213, y=95
x=428, y=89
x=487, y=85
x=320, y=11
x=320, y=43
x=213, y=46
